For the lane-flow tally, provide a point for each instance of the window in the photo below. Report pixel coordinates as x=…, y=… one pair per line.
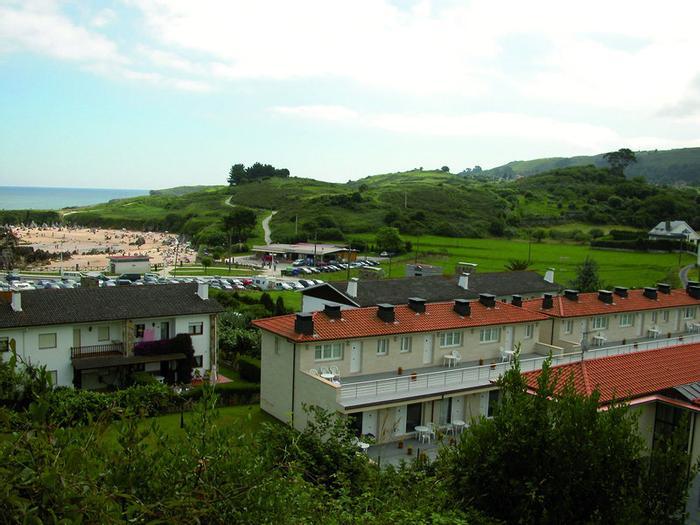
x=406, y=344
x=53, y=376
x=4, y=344
x=654, y=316
x=689, y=313
x=329, y=352
x=103, y=333
x=139, y=329
x=195, y=328
x=668, y=419
x=450, y=339
x=529, y=330
x=494, y=397
x=626, y=320
x=47, y=341
x=600, y=323
x=569, y=326
x=382, y=346
x=490, y=335
x=198, y=361
x=667, y=315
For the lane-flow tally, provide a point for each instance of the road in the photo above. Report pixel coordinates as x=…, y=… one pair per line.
x=683, y=274
x=266, y=228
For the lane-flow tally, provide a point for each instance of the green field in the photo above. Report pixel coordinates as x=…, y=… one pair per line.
x=632, y=269
x=195, y=271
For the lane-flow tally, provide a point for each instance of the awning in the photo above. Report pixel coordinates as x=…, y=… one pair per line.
x=87, y=363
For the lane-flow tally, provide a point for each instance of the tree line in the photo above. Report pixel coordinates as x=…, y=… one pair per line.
x=239, y=174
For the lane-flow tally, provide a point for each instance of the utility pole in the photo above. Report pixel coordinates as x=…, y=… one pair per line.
x=347, y=260
x=296, y=225
x=177, y=247
x=405, y=200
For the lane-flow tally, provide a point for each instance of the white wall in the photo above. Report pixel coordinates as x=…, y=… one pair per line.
x=131, y=267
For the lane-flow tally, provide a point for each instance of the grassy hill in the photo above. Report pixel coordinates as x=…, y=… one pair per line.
x=675, y=167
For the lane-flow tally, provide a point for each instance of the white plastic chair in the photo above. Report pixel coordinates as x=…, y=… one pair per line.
x=457, y=356
x=334, y=370
x=314, y=372
x=504, y=355
x=324, y=371
x=432, y=431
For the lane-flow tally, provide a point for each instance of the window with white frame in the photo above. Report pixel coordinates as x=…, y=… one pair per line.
x=599, y=323
x=103, y=333
x=626, y=320
x=195, y=328
x=490, y=335
x=569, y=326
x=667, y=316
x=406, y=344
x=654, y=316
x=529, y=330
x=450, y=339
x=47, y=341
x=4, y=344
x=689, y=313
x=382, y=346
x=328, y=352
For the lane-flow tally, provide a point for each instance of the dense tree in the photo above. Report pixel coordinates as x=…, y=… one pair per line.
x=236, y=174
x=206, y=261
x=445, y=169
x=587, y=278
x=239, y=174
x=388, y=240
x=8, y=247
x=620, y=159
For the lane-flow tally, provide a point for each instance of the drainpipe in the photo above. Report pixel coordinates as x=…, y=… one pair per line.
x=294, y=376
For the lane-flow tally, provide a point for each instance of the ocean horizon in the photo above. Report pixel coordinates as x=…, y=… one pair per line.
x=48, y=198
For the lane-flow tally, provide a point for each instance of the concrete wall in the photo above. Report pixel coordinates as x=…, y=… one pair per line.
x=276, y=376
x=314, y=304
x=120, y=267
x=312, y=390
x=471, y=350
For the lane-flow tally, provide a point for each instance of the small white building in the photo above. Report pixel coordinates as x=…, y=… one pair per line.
x=119, y=264
x=97, y=337
x=674, y=230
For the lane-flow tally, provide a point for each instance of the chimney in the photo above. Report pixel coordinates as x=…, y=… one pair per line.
x=467, y=267
x=694, y=292
x=332, y=311
x=668, y=226
x=549, y=275
x=304, y=324
x=16, y=302
x=664, y=288
x=386, y=312
x=692, y=283
x=571, y=295
x=649, y=292
x=352, y=288
x=517, y=300
x=463, y=281
x=462, y=307
x=416, y=304
x=547, y=301
x=621, y=291
x=605, y=296
x=487, y=299
x=203, y=291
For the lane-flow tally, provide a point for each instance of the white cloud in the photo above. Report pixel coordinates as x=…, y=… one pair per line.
x=103, y=18
x=319, y=112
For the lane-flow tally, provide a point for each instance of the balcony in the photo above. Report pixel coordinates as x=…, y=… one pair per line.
x=106, y=350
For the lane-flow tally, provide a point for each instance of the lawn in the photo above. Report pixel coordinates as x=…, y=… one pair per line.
x=292, y=299
x=192, y=271
x=632, y=269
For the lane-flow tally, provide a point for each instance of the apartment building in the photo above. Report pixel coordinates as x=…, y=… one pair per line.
x=392, y=368
x=617, y=317
x=95, y=337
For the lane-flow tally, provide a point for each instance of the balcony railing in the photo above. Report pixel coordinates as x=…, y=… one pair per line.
x=112, y=349
x=480, y=375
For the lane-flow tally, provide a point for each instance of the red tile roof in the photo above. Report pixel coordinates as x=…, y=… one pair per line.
x=363, y=322
x=589, y=304
x=630, y=375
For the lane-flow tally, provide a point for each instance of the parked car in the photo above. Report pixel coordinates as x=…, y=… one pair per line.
x=130, y=276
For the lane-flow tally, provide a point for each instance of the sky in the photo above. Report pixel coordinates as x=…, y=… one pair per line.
x=160, y=93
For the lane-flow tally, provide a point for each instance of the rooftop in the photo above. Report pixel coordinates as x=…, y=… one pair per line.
x=309, y=248
x=589, y=304
x=84, y=305
x=364, y=322
x=630, y=376
x=129, y=257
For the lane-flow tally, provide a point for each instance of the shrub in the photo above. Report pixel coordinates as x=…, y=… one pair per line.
x=228, y=393
x=249, y=368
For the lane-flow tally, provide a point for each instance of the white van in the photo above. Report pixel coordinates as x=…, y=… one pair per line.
x=261, y=282
x=72, y=275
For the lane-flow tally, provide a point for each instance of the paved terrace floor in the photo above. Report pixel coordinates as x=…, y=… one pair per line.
x=391, y=454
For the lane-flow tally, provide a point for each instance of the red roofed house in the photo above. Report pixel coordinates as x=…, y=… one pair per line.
x=618, y=317
x=393, y=368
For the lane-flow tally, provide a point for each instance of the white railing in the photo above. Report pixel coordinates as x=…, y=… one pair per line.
x=479, y=375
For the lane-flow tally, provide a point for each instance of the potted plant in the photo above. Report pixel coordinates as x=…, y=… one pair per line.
x=414, y=376
x=400, y=371
x=400, y=443
x=481, y=361
x=409, y=451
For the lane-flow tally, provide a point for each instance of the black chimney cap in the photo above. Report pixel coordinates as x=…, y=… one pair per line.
x=694, y=291
x=386, y=312
x=462, y=307
x=606, y=296
x=547, y=301
x=621, y=291
x=417, y=304
x=517, y=300
x=332, y=311
x=649, y=292
x=663, y=288
x=571, y=295
x=487, y=299
x=304, y=323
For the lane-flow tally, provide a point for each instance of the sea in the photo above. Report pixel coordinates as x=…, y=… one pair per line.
x=39, y=198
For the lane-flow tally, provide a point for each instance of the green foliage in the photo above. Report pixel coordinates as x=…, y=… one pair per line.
x=619, y=160
x=240, y=221
x=249, y=368
x=239, y=174
x=587, y=278
x=388, y=239
x=517, y=265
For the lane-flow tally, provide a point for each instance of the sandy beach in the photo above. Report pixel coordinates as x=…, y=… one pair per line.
x=91, y=247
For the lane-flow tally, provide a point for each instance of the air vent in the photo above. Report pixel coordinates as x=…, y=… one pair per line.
x=332, y=311
x=621, y=291
x=487, y=299
x=649, y=292
x=462, y=307
x=304, y=324
x=605, y=296
x=571, y=295
x=416, y=304
x=386, y=312
x=517, y=300
x=547, y=301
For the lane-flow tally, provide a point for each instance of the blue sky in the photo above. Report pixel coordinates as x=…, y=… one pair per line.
x=158, y=93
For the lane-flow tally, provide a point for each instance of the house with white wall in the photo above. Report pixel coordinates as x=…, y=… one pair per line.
x=674, y=230
x=95, y=337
